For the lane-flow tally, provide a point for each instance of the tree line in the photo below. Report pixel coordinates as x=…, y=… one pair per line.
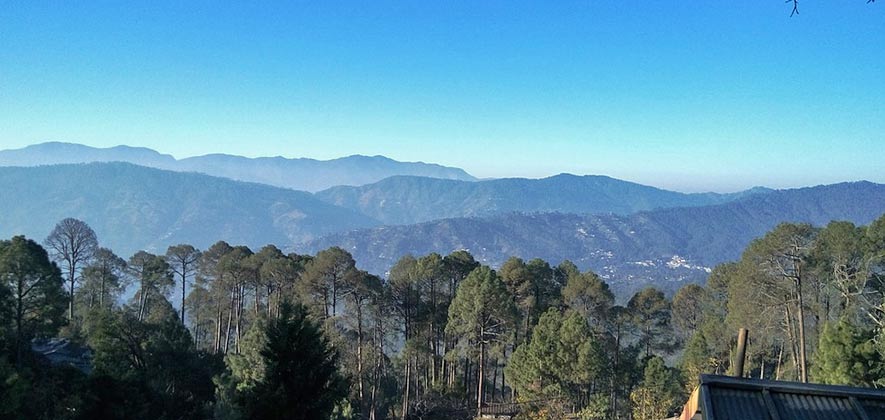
x=232, y=333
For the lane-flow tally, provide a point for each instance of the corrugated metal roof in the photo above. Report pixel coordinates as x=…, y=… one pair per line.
x=727, y=403
x=727, y=398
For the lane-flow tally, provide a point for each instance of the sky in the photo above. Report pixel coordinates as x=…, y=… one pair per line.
x=687, y=95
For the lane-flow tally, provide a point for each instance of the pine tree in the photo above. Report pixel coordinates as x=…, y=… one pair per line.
x=33, y=289
x=847, y=356
x=695, y=360
x=301, y=378
x=562, y=359
x=658, y=395
x=483, y=312
x=651, y=314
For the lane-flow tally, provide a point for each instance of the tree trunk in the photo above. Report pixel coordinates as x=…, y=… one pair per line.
x=218, y=314
x=432, y=360
x=495, y=381
x=217, y=333
x=453, y=372
x=359, y=355
x=526, y=327
x=71, y=278
x=144, y=304
x=791, y=335
x=780, y=354
x=268, y=312
x=426, y=380
x=183, y=290
x=334, y=297
x=480, y=377
x=434, y=344
x=416, y=387
x=19, y=318
x=230, y=316
x=241, y=290
x=467, y=387
x=647, y=340
x=503, y=379
x=406, y=388
x=257, y=300
x=101, y=293
x=378, y=345
x=803, y=366
x=616, y=365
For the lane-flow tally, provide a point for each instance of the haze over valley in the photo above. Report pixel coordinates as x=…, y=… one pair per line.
x=632, y=235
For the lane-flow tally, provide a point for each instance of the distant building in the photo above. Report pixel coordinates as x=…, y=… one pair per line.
x=726, y=398
x=62, y=352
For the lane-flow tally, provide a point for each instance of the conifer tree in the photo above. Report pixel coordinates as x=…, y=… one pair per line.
x=847, y=356
x=301, y=379
x=33, y=286
x=483, y=313
x=658, y=395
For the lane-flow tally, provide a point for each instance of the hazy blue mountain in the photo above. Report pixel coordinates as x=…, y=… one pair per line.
x=133, y=207
x=314, y=175
x=407, y=199
x=53, y=153
x=666, y=247
x=299, y=174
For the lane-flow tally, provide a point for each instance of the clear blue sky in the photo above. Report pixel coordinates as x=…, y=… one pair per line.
x=690, y=95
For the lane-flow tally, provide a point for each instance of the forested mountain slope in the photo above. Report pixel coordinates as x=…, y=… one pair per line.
x=133, y=207
x=407, y=199
x=662, y=246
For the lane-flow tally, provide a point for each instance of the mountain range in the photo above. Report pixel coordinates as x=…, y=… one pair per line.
x=298, y=174
x=134, y=207
x=630, y=234
x=673, y=245
x=409, y=199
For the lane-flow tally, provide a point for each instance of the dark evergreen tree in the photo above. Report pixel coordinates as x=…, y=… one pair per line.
x=34, y=291
x=658, y=396
x=651, y=314
x=103, y=280
x=847, y=355
x=301, y=378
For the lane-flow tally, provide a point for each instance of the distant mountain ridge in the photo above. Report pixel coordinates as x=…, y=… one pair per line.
x=636, y=237
x=662, y=247
x=134, y=207
x=55, y=153
x=407, y=199
x=299, y=174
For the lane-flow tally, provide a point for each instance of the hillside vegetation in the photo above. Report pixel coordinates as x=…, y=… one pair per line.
x=664, y=247
x=133, y=207
x=405, y=199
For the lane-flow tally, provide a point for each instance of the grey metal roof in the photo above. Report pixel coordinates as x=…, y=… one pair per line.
x=727, y=398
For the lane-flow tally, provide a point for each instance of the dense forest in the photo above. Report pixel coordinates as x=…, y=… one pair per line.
x=231, y=332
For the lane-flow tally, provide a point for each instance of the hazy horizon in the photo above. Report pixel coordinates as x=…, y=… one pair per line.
x=677, y=188
x=733, y=95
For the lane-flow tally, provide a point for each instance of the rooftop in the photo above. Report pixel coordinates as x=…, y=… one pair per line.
x=726, y=397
